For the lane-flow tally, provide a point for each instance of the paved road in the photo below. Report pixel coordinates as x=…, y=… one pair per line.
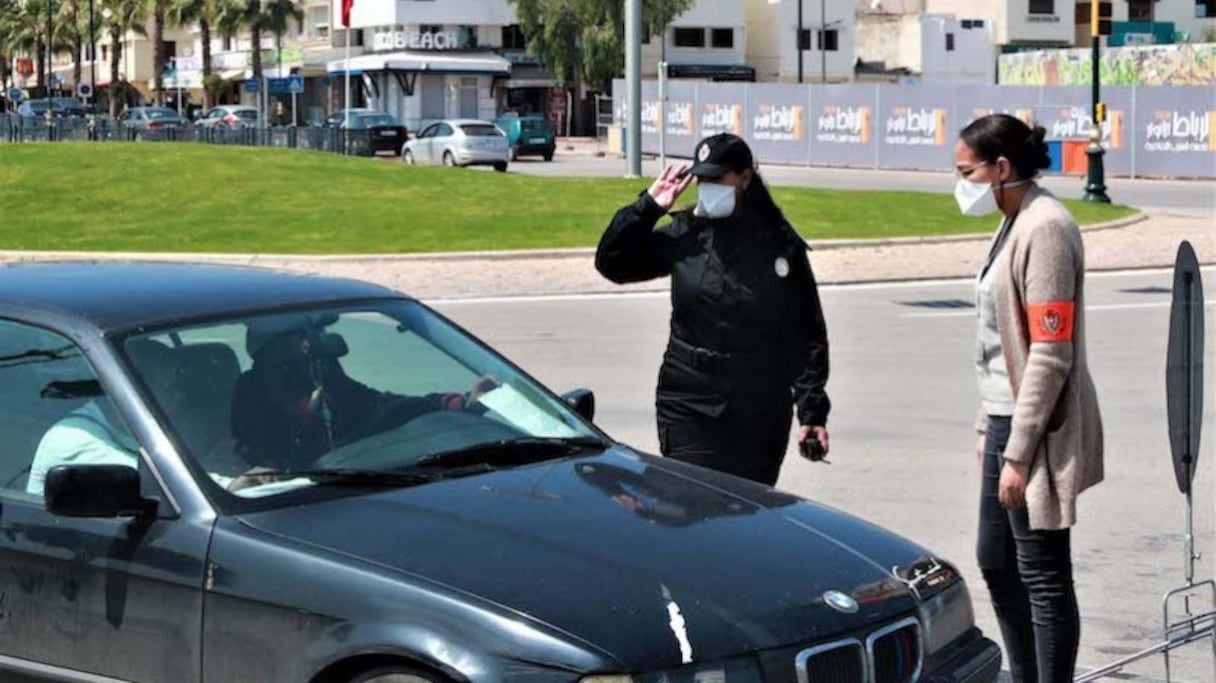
x=901, y=429
x=1188, y=197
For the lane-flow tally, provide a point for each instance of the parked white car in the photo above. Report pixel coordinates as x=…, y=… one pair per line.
x=459, y=142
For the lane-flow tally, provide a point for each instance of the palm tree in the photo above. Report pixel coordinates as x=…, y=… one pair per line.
x=8, y=10
x=120, y=17
x=201, y=12
x=160, y=9
x=27, y=34
x=277, y=17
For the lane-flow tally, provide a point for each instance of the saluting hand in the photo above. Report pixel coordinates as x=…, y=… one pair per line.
x=668, y=187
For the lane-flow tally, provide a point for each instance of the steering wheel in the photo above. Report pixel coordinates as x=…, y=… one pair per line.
x=396, y=412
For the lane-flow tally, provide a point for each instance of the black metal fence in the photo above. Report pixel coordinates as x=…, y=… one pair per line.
x=14, y=129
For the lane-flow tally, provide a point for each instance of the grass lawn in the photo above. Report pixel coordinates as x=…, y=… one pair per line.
x=200, y=198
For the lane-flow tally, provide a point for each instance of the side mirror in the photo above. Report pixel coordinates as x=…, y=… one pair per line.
x=583, y=402
x=95, y=491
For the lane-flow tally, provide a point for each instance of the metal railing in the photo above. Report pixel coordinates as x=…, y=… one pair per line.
x=17, y=129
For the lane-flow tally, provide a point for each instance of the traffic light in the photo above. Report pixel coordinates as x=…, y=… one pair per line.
x=1100, y=19
x=1100, y=112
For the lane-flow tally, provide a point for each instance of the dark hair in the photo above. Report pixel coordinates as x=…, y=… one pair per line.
x=757, y=199
x=1001, y=135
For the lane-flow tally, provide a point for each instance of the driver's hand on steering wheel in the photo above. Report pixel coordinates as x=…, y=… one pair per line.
x=484, y=385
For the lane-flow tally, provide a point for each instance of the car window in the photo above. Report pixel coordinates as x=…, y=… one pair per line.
x=429, y=131
x=55, y=411
x=534, y=125
x=442, y=130
x=375, y=386
x=480, y=130
x=246, y=114
x=369, y=120
x=160, y=114
x=216, y=114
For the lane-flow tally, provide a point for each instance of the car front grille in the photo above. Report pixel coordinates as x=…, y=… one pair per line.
x=892, y=654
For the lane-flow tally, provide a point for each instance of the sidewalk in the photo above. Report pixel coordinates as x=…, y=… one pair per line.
x=1149, y=243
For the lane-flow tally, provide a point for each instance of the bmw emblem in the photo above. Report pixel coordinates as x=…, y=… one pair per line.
x=840, y=602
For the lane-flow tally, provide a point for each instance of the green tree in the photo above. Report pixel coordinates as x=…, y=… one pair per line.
x=201, y=12
x=120, y=18
x=278, y=16
x=584, y=40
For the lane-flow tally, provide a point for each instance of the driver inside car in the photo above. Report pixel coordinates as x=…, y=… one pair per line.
x=296, y=403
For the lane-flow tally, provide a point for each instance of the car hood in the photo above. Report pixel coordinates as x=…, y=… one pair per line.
x=650, y=560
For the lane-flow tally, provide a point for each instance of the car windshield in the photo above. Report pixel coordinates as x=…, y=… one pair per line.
x=370, y=120
x=246, y=114
x=157, y=114
x=480, y=130
x=67, y=103
x=38, y=106
x=533, y=125
x=265, y=405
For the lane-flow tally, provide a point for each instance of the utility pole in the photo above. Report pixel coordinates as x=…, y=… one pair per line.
x=1095, y=186
x=798, y=41
x=633, y=82
x=50, y=53
x=823, y=35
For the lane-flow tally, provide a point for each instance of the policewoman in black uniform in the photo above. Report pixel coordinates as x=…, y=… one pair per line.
x=748, y=340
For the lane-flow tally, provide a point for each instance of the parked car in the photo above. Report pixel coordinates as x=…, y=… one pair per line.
x=459, y=142
x=379, y=131
x=528, y=136
x=61, y=108
x=436, y=534
x=151, y=119
x=230, y=116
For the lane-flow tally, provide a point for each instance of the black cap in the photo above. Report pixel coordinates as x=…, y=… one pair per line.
x=717, y=155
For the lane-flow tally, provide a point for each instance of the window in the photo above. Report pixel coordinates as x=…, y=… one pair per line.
x=722, y=38
x=973, y=23
x=1205, y=9
x=430, y=28
x=56, y=411
x=318, y=22
x=949, y=42
x=1042, y=7
x=646, y=34
x=689, y=37
x=829, y=41
x=1139, y=10
x=513, y=38
x=466, y=36
x=804, y=39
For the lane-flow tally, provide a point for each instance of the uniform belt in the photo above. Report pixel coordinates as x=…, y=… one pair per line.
x=697, y=357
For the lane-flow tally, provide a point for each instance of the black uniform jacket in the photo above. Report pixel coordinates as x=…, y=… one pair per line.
x=747, y=329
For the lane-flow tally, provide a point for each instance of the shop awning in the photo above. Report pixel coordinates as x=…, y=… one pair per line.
x=530, y=76
x=481, y=63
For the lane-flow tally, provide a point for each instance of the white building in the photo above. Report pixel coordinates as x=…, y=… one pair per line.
x=1065, y=23
x=932, y=48
x=422, y=61
x=824, y=33
x=708, y=41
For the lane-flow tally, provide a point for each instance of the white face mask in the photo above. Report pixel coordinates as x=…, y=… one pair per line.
x=978, y=199
x=715, y=200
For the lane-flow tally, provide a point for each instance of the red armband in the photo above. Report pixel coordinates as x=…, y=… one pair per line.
x=1051, y=321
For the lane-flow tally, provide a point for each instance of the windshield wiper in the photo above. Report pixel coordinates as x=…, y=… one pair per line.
x=521, y=451
x=351, y=477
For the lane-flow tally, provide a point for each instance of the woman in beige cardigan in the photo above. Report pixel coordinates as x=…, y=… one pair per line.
x=1041, y=431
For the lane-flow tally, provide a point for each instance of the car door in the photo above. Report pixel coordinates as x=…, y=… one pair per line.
x=116, y=598
x=422, y=144
x=443, y=140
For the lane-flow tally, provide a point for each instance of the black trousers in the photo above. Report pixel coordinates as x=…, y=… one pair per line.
x=1029, y=576
x=748, y=445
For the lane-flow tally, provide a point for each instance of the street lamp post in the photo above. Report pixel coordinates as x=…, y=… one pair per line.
x=1095, y=186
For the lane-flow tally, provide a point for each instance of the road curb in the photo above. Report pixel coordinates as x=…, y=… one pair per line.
x=518, y=254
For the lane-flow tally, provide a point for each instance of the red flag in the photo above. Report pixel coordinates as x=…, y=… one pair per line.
x=346, y=7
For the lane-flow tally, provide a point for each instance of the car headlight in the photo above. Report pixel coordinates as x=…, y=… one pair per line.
x=946, y=615
x=737, y=670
